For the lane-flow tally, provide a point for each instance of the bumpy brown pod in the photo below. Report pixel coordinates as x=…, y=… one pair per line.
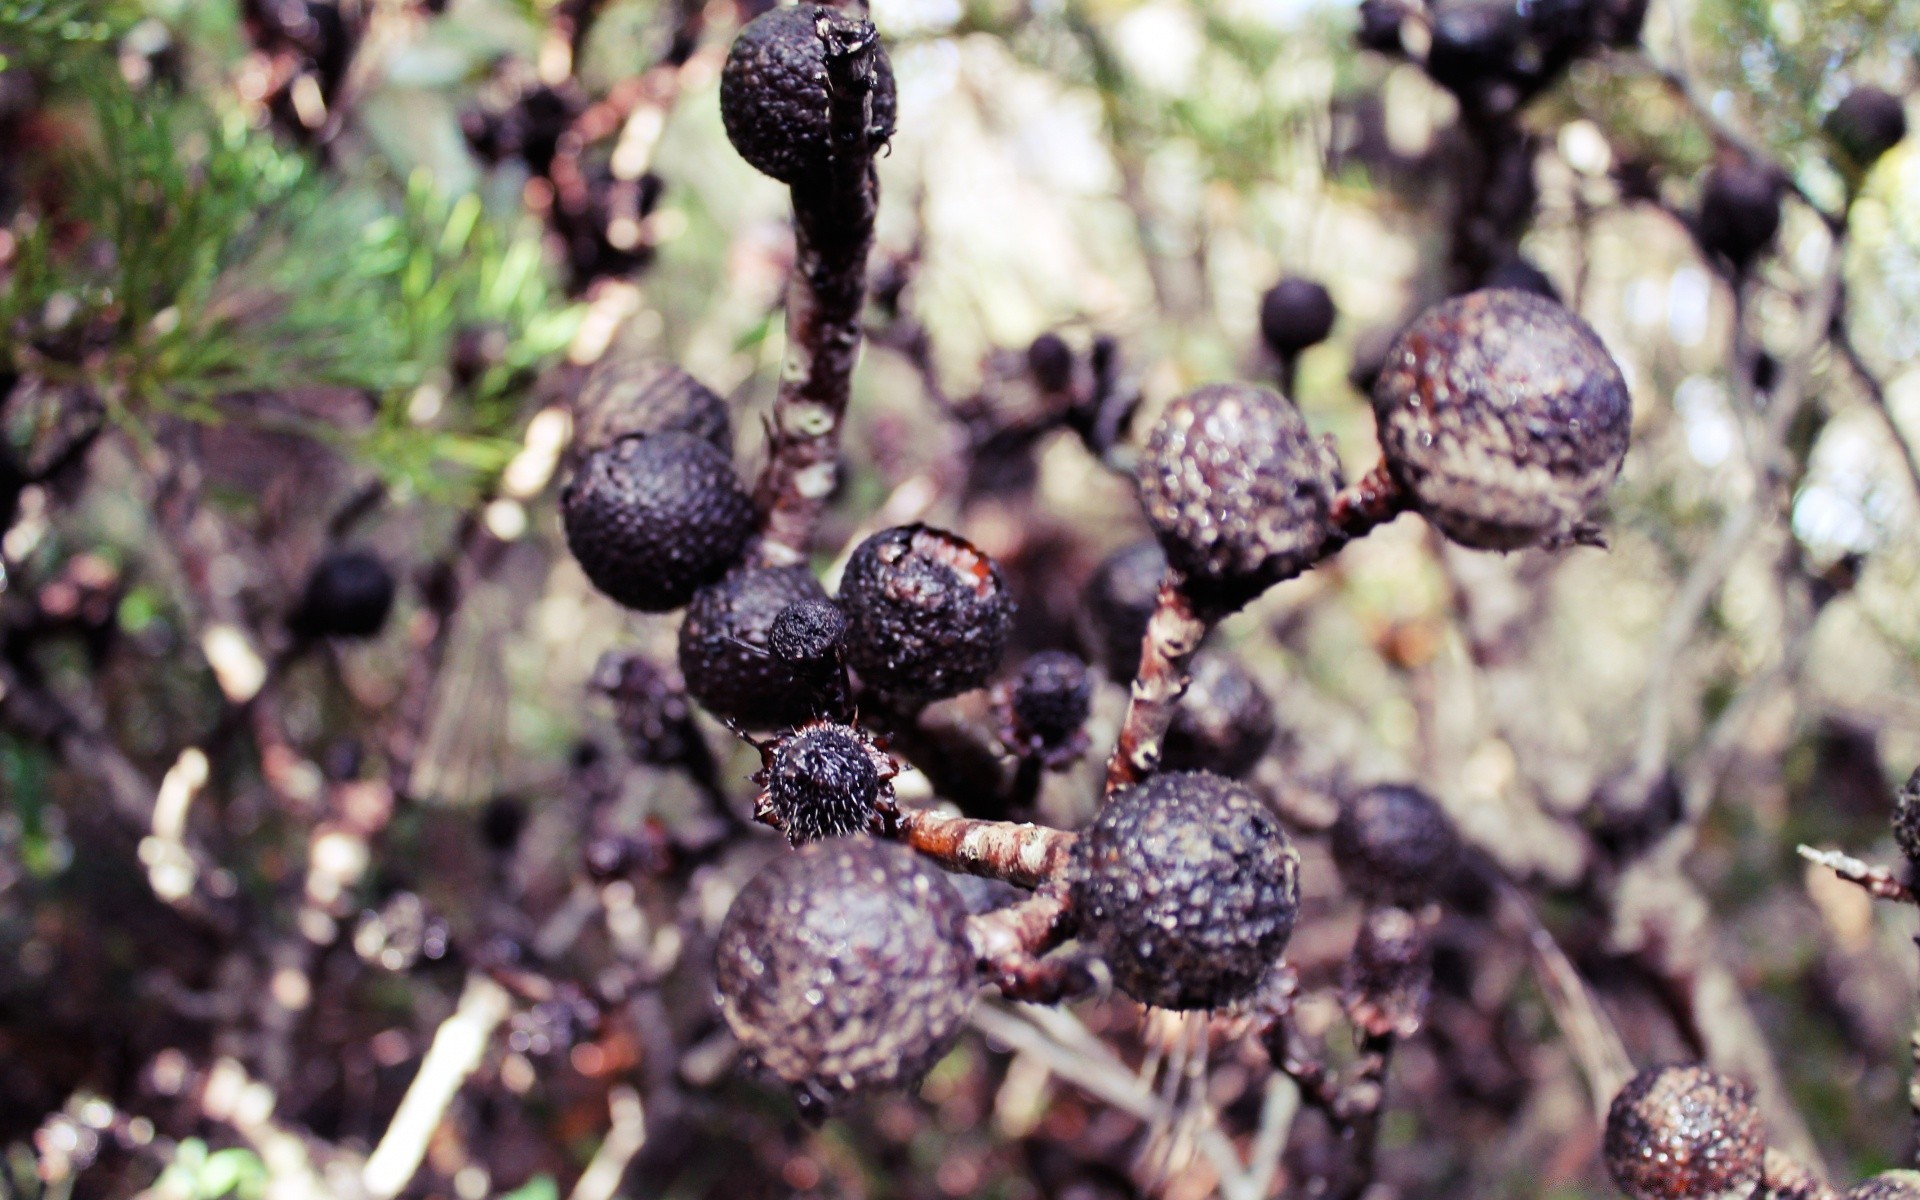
x=844, y=967
x=1681, y=1132
x=1394, y=844
x=724, y=653
x=626, y=393
x=1188, y=887
x=928, y=614
x=1237, y=490
x=1888, y=1185
x=1503, y=417
x=773, y=92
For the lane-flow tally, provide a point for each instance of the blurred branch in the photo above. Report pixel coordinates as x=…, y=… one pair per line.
x=1878, y=882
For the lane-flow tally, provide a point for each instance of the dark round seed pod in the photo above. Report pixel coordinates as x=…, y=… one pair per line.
x=1474, y=42
x=1906, y=819
x=1119, y=602
x=928, y=615
x=502, y=821
x=1224, y=723
x=1051, y=698
x=1188, y=888
x=1296, y=313
x=1739, y=211
x=1619, y=22
x=652, y=519
x=808, y=634
x=1050, y=362
x=774, y=99
x=1520, y=275
x=821, y=782
x=348, y=595
x=1866, y=124
x=626, y=394
x=1503, y=417
x=651, y=708
x=844, y=967
x=1676, y=1132
x=723, y=647
x=1394, y=844
x=1379, y=28
x=1888, y=1185
x=1237, y=490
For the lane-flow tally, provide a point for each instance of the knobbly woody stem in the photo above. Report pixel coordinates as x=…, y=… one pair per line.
x=1179, y=624
x=833, y=233
x=1027, y=856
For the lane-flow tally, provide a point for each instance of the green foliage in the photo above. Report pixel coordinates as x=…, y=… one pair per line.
x=53, y=36
x=199, y=1174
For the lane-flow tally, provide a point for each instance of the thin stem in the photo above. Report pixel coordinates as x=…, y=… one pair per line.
x=1011, y=945
x=1023, y=855
x=1174, y=632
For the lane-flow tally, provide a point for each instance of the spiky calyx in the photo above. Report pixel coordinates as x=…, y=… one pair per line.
x=348, y=595
x=1677, y=1132
x=1503, y=417
x=724, y=651
x=1188, y=887
x=1394, y=844
x=1296, y=313
x=928, y=614
x=651, y=519
x=1224, y=723
x=1118, y=603
x=774, y=96
x=824, y=780
x=844, y=967
x=626, y=394
x=1237, y=490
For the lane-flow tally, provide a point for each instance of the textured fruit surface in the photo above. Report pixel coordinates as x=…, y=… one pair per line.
x=1906, y=818
x=773, y=94
x=723, y=647
x=1188, y=888
x=807, y=633
x=1051, y=698
x=822, y=782
x=1224, y=723
x=1395, y=844
x=1867, y=123
x=349, y=595
x=1237, y=490
x=1889, y=1185
x=1739, y=211
x=1504, y=418
x=1118, y=604
x=1684, y=1131
x=843, y=966
x=928, y=614
x=625, y=393
x=650, y=707
x=652, y=519
x=1294, y=314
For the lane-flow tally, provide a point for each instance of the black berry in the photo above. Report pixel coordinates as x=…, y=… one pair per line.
x=651, y=709
x=843, y=967
x=1050, y=362
x=501, y=823
x=808, y=633
x=1889, y=1185
x=1866, y=124
x=1188, y=888
x=928, y=614
x=1739, y=211
x=1522, y=276
x=723, y=647
x=1119, y=602
x=626, y=394
x=1295, y=313
x=1906, y=819
x=652, y=519
x=1394, y=844
x=1049, y=700
x=1237, y=490
x=773, y=92
x=1677, y=1132
x=823, y=780
x=1379, y=27
x=1503, y=417
x=1224, y=723
x=348, y=595
x=1474, y=42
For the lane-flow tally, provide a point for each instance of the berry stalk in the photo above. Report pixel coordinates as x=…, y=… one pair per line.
x=1026, y=856
x=833, y=233
x=1009, y=944
x=1174, y=632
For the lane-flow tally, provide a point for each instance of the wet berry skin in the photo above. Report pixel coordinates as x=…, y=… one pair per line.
x=1394, y=844
x=1503, y=417
x=625, y=394
x=1677, y=1132
x=1119, y=602
x=652, y=519
x=1188, y=887
x=774, y=100
x=822, y=782
x=1237, y=490
x=1296, y=313
x=348, y=595
x=724, y=654
x=843, y=967
x=928, y=614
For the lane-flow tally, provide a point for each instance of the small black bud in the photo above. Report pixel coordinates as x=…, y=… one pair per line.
x=724, y=652
x=348, y=595
x=1050, y=699
x=1739, y=211
x=1294, y=314
x=822, y=780
x=1866, y=124
x=1050, y=362
x=808, y=634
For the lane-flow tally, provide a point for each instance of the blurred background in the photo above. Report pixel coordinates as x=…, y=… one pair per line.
x=284, y=278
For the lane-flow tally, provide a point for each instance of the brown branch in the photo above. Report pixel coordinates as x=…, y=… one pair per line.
x=1010, y=945
x=833, y=232
x=1174, y=632
x=1024, y=855
x=1879, y=882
